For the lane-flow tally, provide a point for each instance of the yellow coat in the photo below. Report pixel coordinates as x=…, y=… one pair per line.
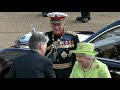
x=97, y=70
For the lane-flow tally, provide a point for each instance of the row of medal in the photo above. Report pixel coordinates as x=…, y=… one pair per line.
x=64, y=44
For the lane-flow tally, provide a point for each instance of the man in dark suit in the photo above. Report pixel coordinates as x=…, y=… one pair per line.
x=34, y=64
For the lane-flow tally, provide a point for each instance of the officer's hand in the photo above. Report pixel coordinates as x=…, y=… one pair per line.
x=49, y=47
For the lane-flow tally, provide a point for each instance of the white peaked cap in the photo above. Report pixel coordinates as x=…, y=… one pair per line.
x=58, y=14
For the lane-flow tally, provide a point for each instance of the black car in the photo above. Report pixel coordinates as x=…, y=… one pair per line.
x=107, y=43
x=106, y=40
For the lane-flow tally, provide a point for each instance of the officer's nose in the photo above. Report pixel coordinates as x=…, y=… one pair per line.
x=56, y=27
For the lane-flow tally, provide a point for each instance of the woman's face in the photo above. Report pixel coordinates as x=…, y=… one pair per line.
x=82, y=59
x=57, y=28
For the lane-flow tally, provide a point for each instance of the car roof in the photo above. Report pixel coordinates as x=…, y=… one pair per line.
x=116, y=23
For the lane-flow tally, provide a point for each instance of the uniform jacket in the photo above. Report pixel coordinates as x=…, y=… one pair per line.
x=32, y=65
x=97, y=70
x=69, y=39
x=65, y=40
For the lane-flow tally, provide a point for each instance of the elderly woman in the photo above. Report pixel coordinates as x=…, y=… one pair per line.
x=87, y=66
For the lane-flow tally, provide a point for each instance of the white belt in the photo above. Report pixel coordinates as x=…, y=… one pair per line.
x=62, y=66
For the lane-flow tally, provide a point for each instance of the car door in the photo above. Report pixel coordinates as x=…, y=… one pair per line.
x=107, y=43
x=7, y=56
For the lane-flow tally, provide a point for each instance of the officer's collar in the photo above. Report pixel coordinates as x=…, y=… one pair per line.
x=59, y=35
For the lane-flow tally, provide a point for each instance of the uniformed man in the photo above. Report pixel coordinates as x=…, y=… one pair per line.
x=60, y=42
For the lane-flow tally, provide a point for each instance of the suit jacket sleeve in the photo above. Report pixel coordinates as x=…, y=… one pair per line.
x=50, y=73
x=11, y=73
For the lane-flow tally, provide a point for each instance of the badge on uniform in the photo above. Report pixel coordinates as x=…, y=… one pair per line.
x=64, y=54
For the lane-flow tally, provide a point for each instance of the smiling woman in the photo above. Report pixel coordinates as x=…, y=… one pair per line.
x=87, y=66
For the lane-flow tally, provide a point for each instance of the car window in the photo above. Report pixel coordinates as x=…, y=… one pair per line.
x=108, y=44
x=110, y=33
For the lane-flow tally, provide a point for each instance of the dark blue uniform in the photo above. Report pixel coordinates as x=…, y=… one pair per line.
x=63, y=44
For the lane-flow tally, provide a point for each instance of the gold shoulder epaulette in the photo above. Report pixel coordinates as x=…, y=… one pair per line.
x=71, y=32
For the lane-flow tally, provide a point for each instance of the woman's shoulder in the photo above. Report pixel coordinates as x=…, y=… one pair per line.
x=100, y=64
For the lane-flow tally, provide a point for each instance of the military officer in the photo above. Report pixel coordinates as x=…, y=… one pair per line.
x=59, y=45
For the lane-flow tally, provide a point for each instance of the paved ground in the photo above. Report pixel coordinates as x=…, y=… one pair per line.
x=16, y=24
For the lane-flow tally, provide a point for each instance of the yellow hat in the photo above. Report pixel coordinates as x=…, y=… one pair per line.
x=85, y=48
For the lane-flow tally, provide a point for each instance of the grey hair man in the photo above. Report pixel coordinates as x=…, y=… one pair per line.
x=34, y=64
x=38, y=42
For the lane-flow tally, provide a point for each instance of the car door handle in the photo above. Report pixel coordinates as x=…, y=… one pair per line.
x=115, y=72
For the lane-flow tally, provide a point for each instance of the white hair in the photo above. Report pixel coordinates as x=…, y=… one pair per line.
x=87, y=55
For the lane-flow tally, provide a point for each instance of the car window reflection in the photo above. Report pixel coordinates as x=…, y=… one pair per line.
x=108, y=44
